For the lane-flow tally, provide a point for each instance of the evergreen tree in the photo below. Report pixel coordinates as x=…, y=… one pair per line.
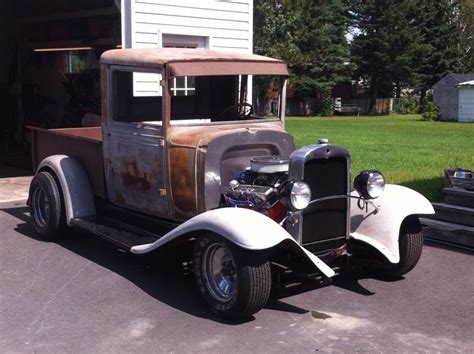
x=442, y=32
x=310, y=36
x=466, y=19
x=387, y=46
x=406, y=43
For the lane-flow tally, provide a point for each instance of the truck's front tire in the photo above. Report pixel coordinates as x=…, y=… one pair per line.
x=46, y=207
x=410, y=244
x=236, y=283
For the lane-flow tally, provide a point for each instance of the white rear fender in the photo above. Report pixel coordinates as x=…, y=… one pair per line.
x=245, y=228
x=381, y=229
x=77, y=190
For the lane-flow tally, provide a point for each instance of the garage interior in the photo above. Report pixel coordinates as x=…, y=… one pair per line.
x=49, y=68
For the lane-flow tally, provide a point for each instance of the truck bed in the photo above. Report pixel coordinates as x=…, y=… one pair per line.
x=85, y=144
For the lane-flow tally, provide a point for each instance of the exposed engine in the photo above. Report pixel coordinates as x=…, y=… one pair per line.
x=258, y=188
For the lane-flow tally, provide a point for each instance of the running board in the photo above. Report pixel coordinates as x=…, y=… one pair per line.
x=119, y=233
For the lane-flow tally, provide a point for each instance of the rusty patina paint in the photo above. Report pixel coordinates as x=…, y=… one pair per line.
x=92, y=133
x=201, y=135
x=182, y=169
x=183, y=62
x=84, y=144
x=132, y=177
x=119, y=199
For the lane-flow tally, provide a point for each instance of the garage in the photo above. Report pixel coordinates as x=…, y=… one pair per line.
x=49, y=72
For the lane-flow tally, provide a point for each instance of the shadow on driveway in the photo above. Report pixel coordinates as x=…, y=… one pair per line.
x=170, y=281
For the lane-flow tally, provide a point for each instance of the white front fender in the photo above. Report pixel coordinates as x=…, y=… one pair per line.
x=245, y=228
x=381, y=229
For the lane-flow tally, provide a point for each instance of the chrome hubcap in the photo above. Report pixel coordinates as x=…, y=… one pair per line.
x=40, y=207
x=220, y=272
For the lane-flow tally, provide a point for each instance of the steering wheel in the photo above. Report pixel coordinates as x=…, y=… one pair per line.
x=242, y=110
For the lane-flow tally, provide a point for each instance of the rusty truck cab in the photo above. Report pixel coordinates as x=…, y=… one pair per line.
x=169, y=149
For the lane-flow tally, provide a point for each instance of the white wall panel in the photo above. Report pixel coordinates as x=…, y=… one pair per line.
x=224, y=25
x=226, y=5
x=191, y=29
x=191, y=12
x=227, y=24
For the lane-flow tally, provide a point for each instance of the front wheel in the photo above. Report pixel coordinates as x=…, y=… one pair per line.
x=410, y=244
x=235, y=282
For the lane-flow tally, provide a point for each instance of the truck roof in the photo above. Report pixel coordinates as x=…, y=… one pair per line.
x=196, y=62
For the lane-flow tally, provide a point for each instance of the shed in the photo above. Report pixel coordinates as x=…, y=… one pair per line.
x=466, y=101
x=447, y=94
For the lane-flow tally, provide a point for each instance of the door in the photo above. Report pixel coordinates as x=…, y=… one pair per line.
x=466, y=104
x=134, y=144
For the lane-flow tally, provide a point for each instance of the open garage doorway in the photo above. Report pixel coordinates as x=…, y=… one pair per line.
x=49, y=69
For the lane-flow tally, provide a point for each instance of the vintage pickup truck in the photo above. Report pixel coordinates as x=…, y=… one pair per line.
x=181, y=156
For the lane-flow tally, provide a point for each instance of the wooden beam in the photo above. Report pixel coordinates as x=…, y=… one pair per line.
x=105, y=11
x=109, y=41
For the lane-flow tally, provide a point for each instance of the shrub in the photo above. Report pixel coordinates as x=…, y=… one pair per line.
x=325, y=107
x=409, y=105
x=429, y=111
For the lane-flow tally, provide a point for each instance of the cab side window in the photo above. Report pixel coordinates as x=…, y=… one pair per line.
x=130, y=107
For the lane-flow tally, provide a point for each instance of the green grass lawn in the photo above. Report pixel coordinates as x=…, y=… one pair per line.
x=408, y=151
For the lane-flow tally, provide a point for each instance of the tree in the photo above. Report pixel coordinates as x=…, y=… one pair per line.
x=466, y=19
x=387, y=45
x=446, y=46
x=406, y=43
x=310, y=36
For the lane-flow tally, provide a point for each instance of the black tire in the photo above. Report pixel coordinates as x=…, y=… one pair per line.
x=410, y=244
x=46, y=206
x=248, y=271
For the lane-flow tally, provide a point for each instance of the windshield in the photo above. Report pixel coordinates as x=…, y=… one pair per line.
x=224, y=98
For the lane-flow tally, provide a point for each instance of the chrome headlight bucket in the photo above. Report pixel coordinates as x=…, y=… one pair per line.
x=370, y=184
x=295, y=195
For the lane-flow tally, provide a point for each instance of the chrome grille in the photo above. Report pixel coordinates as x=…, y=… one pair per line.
x=325, y=222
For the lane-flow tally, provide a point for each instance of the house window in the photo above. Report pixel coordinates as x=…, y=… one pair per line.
x=184, y=85
x=78, y=61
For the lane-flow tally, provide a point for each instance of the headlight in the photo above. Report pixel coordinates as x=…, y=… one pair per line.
x=370, y=184
x=295, y=195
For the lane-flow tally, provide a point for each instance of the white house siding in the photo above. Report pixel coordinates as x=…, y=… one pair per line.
x=466, y=104
x=212, y=24
x=227, y=24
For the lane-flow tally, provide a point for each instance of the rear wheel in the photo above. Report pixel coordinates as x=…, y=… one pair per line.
x=46, y=206
x=236, y=283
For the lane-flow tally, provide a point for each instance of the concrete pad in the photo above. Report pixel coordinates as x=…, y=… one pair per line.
x=14, y=189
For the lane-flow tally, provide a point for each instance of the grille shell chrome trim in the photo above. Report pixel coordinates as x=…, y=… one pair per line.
x=298, y=160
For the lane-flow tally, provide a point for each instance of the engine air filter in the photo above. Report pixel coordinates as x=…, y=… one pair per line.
x=269, y=164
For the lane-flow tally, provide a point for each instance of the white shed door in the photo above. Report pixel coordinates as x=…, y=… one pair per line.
x=466, y=104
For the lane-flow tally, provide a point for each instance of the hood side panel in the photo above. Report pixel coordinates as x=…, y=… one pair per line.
x=229, y=154
x=202, y=160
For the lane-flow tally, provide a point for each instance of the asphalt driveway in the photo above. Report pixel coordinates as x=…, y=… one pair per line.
x=83, y=295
